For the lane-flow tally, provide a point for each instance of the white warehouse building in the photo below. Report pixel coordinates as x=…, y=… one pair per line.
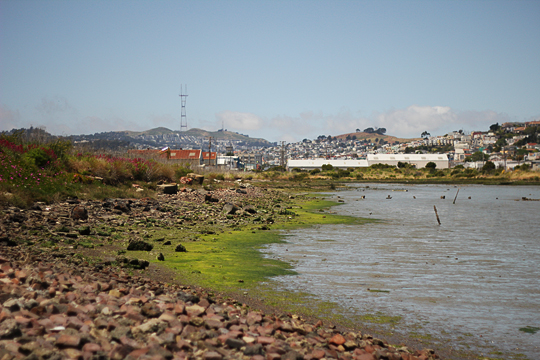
x=310, y=164
x=418, y=160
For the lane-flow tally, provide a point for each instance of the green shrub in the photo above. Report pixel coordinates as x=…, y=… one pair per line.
x=299, y=176
x=405, y=165
x=327, y=167
x=488, y=167
x=382, y=166
x=315, y=171
x=524, y=167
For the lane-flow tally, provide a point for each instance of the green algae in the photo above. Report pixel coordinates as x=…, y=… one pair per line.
x=231, y=259
x=529, y=329
x=380, y=318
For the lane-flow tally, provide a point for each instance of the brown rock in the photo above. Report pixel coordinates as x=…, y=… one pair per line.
x=337, y=340
x=91, y=347
x=66, y=340
x=212, y=355
x=194, y=310
x=265, y=340
x=365, y=357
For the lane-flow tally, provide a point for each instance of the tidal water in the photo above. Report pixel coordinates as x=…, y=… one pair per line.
x=473, y=280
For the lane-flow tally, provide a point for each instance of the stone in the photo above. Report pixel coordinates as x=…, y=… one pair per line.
x=66, y=340
x=9, y=329
x=170, y=189
x=150, y=326
x=337, y=340
x=194, y=310
x=85, y=230
x=197, y=179
x=180, y=248
x=265, y=340
x=292, y=355
x=17, y=217
x=230, y=209
x=139, y=245
x=123, y=207
x=250, y=209
x=234, y=343
x=254, y=349
x=79, y=213
x=187, y=297
x=212, y=355
x=12, y=305
x=150, y=310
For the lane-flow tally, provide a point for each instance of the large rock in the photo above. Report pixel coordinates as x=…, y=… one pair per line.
x=197, y=179
x=230, y=209
x=139, y=245
x=250, y=209
x=79, y=213
x=123, y=207
x=170, y=189
x=180, y=248
x=209, y=198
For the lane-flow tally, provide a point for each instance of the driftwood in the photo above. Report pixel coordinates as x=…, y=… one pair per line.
x=456, y=196
x=437, y=215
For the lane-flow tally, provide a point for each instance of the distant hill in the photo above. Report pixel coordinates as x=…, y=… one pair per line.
x=200, y=133
x=372, y=136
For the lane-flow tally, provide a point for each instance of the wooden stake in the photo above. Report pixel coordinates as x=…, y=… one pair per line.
x=456, y=196
x=437, y=215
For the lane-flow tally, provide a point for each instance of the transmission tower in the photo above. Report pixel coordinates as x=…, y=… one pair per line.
x=183, y=118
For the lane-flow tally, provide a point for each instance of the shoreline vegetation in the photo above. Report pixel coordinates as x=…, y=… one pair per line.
x=112, y=212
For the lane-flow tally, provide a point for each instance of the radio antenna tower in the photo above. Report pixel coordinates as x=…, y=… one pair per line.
x=183, y=118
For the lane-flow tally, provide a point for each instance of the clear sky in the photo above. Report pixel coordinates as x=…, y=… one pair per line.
x=281, y=70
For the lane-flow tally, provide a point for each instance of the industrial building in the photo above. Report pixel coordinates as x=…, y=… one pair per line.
x=418, y=160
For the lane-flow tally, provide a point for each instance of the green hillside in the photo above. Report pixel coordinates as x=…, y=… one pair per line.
x=372, y=136
x=220, y=135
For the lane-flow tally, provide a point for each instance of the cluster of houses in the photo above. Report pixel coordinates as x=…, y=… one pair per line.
x=197, y=158
x=351, y=153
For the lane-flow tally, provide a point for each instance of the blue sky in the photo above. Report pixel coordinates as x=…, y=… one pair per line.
x=281, y=70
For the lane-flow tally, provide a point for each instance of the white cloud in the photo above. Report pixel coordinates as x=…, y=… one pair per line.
x=414, y=120
x=235, y=120
x=405, y=123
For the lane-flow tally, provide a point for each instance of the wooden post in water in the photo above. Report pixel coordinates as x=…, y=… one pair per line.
x=456, y=196
x=437, y=215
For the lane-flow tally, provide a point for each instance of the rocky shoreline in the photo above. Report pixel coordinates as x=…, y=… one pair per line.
x=55, y=304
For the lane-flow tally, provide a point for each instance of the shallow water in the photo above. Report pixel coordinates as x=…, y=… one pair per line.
x=474, y=279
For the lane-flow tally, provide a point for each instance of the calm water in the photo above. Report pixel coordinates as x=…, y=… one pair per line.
x=473, y=279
